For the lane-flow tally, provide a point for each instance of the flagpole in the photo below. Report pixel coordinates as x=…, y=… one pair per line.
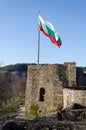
x=38, y=44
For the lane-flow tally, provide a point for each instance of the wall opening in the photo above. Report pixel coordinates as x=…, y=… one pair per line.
x=41, y=94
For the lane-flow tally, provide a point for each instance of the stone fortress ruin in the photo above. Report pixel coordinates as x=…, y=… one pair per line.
x=51, y=87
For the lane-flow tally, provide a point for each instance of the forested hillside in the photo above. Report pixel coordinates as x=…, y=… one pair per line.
x=12, y=83
x=16, y=67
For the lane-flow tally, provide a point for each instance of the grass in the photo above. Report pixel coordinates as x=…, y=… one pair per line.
x=12, y=108
x=33, y=112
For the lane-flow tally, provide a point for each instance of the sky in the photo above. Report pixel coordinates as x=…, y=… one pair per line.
x=19, y=31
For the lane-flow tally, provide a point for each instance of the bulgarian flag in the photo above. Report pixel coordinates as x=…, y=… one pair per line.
x=48, y=30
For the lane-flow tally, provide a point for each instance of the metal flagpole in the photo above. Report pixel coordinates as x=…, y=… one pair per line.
x=38, y=44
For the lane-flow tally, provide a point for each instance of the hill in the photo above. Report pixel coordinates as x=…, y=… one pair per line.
x=12, y=83
x=16, y=67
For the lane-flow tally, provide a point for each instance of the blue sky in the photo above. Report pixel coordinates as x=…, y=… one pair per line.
x=19, y=34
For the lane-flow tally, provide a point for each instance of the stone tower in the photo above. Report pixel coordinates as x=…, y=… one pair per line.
x=43, y=89
x=71, y=73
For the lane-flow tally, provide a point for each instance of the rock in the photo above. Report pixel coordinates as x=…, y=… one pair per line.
x=12, y=126
x=43, y=124
x=72, y=114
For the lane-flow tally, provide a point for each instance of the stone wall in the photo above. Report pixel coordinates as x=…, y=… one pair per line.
x=74, y=95
x=80, y=76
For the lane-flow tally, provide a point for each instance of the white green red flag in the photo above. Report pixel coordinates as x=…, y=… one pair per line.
x=48, y=30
